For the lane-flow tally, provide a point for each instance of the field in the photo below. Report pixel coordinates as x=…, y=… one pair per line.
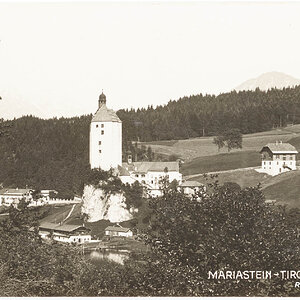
x=284, y=188
x=221, y=162
x=203, y=146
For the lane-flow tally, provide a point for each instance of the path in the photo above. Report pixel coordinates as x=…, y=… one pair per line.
x=219, y=172
x=69, y=214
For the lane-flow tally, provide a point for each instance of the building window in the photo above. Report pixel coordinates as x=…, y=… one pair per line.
x=284, y=157
x=277, y=163
x=292, y=157
x=99, y=151
x=136, y=175
x=102, y=131
x=277, y=156
x=143, y=175
x=99, y=142
x=152, y=181
x=97, y=125
x=269, y=163
x=102, y=125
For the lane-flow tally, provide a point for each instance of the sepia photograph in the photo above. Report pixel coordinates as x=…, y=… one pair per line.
x=149, y=148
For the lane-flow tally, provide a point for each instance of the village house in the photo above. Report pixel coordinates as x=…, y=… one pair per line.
x=278, y=158
x=118, y=231
x=65, y=233
x=13, y=196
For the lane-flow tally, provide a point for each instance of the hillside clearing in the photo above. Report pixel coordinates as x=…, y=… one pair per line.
x=203, y=146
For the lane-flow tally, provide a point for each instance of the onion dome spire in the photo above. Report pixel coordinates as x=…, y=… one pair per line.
x=102, y=99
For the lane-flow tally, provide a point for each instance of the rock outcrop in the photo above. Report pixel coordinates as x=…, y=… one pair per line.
x=101, y=206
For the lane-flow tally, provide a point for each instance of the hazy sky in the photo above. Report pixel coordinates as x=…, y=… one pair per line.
x=55, y=58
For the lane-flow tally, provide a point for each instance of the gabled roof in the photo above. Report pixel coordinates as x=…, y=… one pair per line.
x=117, y=228
x=103, y=114
x=191, y=183
x=48, y=225
x=64, y=227
x=16, y=191
x=280, y=148
x=123, y=171
x=152, y=166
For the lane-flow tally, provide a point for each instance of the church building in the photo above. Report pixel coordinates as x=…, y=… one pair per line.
x=106, y=153
x=105, y=138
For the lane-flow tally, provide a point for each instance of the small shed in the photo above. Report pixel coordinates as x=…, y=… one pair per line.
x=191, y=187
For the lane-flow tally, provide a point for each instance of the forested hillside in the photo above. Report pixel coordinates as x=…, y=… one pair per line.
x=46, y=154
x=53, y=154
x=199, y=115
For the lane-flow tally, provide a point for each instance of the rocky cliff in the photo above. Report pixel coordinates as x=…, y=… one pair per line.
x=101, y=206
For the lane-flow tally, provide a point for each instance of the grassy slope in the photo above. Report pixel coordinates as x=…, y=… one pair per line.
x=286, y=189
x=57, y=213
x=243, y=178
x=221, y=162
x=200, y=147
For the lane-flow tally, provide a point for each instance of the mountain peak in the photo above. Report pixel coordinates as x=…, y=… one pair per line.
x=267, y=81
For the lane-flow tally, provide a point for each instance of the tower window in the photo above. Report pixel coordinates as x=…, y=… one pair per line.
x=99, y=142
x=99, y=151
x=97, y=125
x=102, y=131
x=102, y=125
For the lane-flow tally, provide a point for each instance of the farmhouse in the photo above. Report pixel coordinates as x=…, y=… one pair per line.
x=65, y=233
x=118, y=231
x=13, y=196
x=278, y=158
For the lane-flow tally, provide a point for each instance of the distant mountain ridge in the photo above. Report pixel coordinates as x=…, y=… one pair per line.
x=267, y=81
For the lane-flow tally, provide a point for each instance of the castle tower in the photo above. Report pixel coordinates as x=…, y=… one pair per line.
x=105, y=138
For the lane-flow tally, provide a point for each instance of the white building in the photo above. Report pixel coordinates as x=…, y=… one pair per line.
x=105, y=138
x=65, y=233
x=13, y=196
x=150, y=174
x=120, y=231
x=278, y=158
